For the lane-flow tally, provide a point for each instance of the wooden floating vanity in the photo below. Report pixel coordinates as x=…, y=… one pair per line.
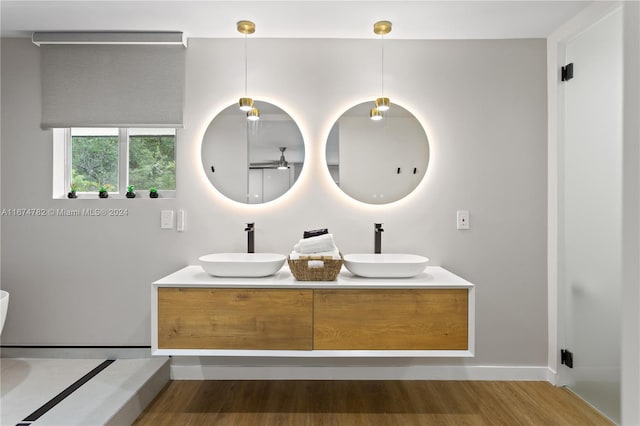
x=194, y=313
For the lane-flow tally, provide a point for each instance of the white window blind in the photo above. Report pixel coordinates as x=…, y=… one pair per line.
x=112, y=85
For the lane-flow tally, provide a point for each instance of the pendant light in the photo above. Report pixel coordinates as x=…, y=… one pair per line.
x=382, y=103
x=375, y=114
x=253, y=114
x=245, y=103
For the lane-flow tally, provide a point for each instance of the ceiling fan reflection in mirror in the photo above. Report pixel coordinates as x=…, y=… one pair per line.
x=281, y=164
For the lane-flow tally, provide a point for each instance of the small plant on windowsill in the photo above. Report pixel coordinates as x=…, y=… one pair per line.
x=153, y=192
x=130, y=192
x=74, y=189
x=102, y=193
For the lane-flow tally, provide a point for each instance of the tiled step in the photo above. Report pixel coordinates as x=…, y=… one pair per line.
x=116, y=395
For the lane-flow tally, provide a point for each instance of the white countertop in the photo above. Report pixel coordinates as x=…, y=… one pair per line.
x=195, y=276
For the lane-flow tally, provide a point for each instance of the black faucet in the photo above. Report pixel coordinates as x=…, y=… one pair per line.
x=377, y=227
x=250, y=238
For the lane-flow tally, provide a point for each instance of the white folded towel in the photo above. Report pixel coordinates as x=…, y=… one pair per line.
x=334, y=254
x=315, y=244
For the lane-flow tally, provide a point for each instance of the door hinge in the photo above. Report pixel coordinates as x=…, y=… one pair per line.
x=566, y=358
x=567, y=72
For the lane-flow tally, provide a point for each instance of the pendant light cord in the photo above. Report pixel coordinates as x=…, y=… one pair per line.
x=245, y=65
x=382, y=65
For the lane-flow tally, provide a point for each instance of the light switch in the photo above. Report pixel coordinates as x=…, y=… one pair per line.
x=462, y=219
x=180, y=221
x=166, y=219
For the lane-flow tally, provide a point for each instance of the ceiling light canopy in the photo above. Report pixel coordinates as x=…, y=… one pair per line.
x=246, y=27
x=382, y=27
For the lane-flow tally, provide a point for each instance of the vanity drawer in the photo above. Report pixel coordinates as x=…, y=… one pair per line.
x=420, y=319
x=214, y=318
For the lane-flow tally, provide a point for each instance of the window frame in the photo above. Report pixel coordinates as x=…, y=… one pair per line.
x=62, y=168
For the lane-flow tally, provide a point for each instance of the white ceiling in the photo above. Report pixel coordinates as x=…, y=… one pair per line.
x=294, y=18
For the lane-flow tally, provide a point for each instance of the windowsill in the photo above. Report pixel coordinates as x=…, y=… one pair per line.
x=118, y=196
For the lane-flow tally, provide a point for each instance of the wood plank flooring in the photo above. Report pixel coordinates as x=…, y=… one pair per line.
x=367, y=403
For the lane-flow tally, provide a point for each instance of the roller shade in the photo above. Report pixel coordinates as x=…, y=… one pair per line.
x=112, y=85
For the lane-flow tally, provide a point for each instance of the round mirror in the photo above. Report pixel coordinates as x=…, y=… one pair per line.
x=253, y=161
x=377, y=161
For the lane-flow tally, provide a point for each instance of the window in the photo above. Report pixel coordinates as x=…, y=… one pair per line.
x=114, y=158
x=94, y=159
x=152, y=158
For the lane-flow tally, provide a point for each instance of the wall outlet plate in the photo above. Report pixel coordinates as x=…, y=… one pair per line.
x=462, y=217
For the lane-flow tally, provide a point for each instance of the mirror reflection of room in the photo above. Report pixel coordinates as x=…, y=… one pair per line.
x=253, y=162
x=377, y=161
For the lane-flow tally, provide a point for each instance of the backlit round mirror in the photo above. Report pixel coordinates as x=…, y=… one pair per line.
x=377, y=161
x=251, y=161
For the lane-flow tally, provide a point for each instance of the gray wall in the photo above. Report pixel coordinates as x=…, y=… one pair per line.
x=86, y=281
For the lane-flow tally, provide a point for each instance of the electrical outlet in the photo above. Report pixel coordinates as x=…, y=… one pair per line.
x=166, y=219
x=462, y=219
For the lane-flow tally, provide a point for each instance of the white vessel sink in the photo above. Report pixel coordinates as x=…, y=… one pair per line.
x=242, y=264
x=385, y=265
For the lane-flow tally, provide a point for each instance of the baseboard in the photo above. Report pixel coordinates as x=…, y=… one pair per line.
x=553, y=377
x=228, y=371
x=417, y=372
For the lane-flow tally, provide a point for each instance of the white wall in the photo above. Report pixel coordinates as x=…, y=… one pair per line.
x=85, y=281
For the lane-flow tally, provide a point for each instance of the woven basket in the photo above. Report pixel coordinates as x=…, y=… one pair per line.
x=328, y=272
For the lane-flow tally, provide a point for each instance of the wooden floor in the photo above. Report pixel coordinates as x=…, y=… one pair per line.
x=370, y=403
